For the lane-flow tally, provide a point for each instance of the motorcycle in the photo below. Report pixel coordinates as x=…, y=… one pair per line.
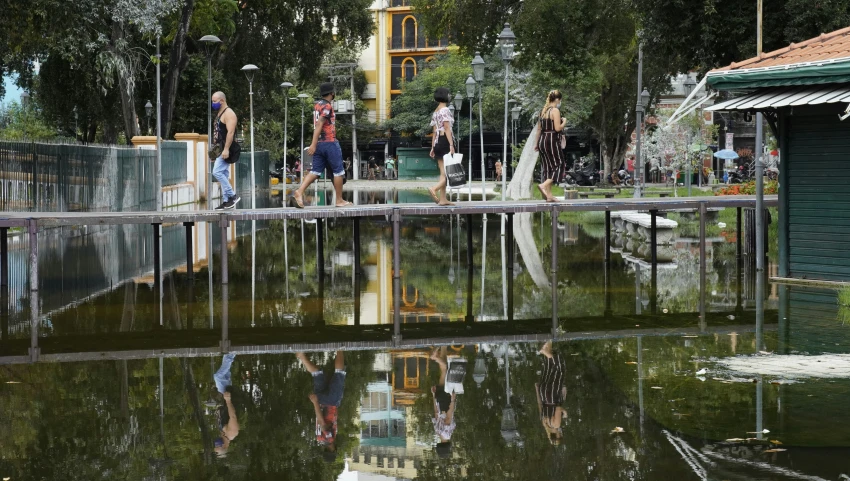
x=582, y=174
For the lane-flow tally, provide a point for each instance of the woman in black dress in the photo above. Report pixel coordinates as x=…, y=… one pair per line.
x=443, y=143
x=551, y=394
x=549, y=134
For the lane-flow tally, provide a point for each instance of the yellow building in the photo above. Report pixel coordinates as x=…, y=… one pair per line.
x=395, y=52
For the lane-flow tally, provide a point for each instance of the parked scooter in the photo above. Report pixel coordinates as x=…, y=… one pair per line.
x=582, y=174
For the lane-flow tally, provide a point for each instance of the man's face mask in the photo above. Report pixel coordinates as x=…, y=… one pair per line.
x=216, y=105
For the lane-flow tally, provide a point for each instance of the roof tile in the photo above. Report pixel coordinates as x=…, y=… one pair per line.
x=827, y=46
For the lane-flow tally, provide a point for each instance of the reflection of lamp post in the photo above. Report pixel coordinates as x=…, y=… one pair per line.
x=301, y=155
x=479, y=373
x=478, y=71
x=507, y=39
x=286, y=86
x=470, y=94
x=509, y=422
x=148, y=112
x=249, y=70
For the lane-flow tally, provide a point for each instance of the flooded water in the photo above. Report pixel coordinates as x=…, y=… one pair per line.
x=657, y=373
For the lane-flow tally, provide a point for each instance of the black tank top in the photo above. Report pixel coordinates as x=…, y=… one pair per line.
x=220, y=135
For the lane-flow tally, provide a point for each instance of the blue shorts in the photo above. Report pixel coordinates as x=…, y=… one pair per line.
x=328, y=154
x=329, y=393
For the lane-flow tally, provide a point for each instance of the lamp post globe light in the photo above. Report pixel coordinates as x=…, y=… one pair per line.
x=470, y=94
x=148, y=112
x=250, y=70
x=302, y=98
x=209, y=42
x=286, y=86
x=478, y=65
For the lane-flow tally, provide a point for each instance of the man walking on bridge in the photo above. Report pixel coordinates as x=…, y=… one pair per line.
x=224, y=149
x=325, y=149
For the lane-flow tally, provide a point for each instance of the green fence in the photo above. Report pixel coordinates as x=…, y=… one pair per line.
x=173, y=163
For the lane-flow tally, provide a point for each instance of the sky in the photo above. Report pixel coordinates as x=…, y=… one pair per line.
x=13, y=93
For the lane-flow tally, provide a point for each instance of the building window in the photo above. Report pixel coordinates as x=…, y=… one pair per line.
x=408, y=68
x=408, y=32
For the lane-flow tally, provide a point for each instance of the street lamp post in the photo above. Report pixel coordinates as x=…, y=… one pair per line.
x=209, y=42
x=148, y=112
x=249, y=70
x=507, y=39
x=478, y=71
x=25, y=104
x=458, y=103
x=639, y=109
x=286, y=86
x=470, y=94
x=301, y=97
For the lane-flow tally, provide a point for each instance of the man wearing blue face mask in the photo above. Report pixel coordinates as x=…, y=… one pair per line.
x=224, y=149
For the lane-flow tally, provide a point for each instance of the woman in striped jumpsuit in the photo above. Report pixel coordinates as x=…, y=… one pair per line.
x=549, y=144
x=551, y=394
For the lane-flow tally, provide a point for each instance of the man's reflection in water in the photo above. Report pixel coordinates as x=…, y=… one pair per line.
x=225, y=415
x=326, y=398
x=551, y=394
x=444, y=406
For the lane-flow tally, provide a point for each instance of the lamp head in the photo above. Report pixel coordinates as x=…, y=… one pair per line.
x=249, y=70
x=478, y=67
x=458, y=100
x=286, y=85
x=452, y=109
x=148, y=108
x=25, y=98
x=470, y=87
x=644, y=98
x=507, y=40
x=209, y=41
x=515, y=113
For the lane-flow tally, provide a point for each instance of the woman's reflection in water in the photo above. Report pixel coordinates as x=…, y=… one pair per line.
x=444, y=406
x=551, y=394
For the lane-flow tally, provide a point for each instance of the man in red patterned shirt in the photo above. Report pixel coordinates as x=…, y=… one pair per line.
x=325, y=149
x=326, y=398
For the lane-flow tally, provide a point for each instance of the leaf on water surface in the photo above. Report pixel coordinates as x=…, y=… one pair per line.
x=690, y=336
x=630, y=362
x=657, y=387
x=618, y=429
x=765, y=353
x=763, y=431
x=774, y=450
x=735, y=440
x=773, y=441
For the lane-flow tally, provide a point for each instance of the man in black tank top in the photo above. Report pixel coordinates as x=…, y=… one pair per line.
x=224, y=130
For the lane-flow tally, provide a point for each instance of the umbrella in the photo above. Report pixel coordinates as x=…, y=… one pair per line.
x=726, y=154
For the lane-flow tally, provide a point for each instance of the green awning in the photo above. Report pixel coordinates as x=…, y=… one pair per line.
x=805, y=74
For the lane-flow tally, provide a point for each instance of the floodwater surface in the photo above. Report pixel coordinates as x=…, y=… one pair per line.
x=656, y=373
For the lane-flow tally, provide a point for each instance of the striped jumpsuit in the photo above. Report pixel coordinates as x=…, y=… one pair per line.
x=549, y=145
x=551, y=385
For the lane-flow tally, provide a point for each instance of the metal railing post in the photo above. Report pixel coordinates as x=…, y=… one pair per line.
x=396, y=217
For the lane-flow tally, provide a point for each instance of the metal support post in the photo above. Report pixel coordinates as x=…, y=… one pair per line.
x=653, y=237
x=469, y=269
x=222, y=224
x=554, y=273
x=32, y=227
x=608, y=312
x=702, y=267
x=607, y=236
x=224, y=345
x=759, y=193
x=157, y=257
x=320, y=255
x=396, y=277
x=738, y=234
x=34, y=350
x=4, y=256
x=4, y=313
x=356, y=271
x=509, y=238
x=190, y=257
